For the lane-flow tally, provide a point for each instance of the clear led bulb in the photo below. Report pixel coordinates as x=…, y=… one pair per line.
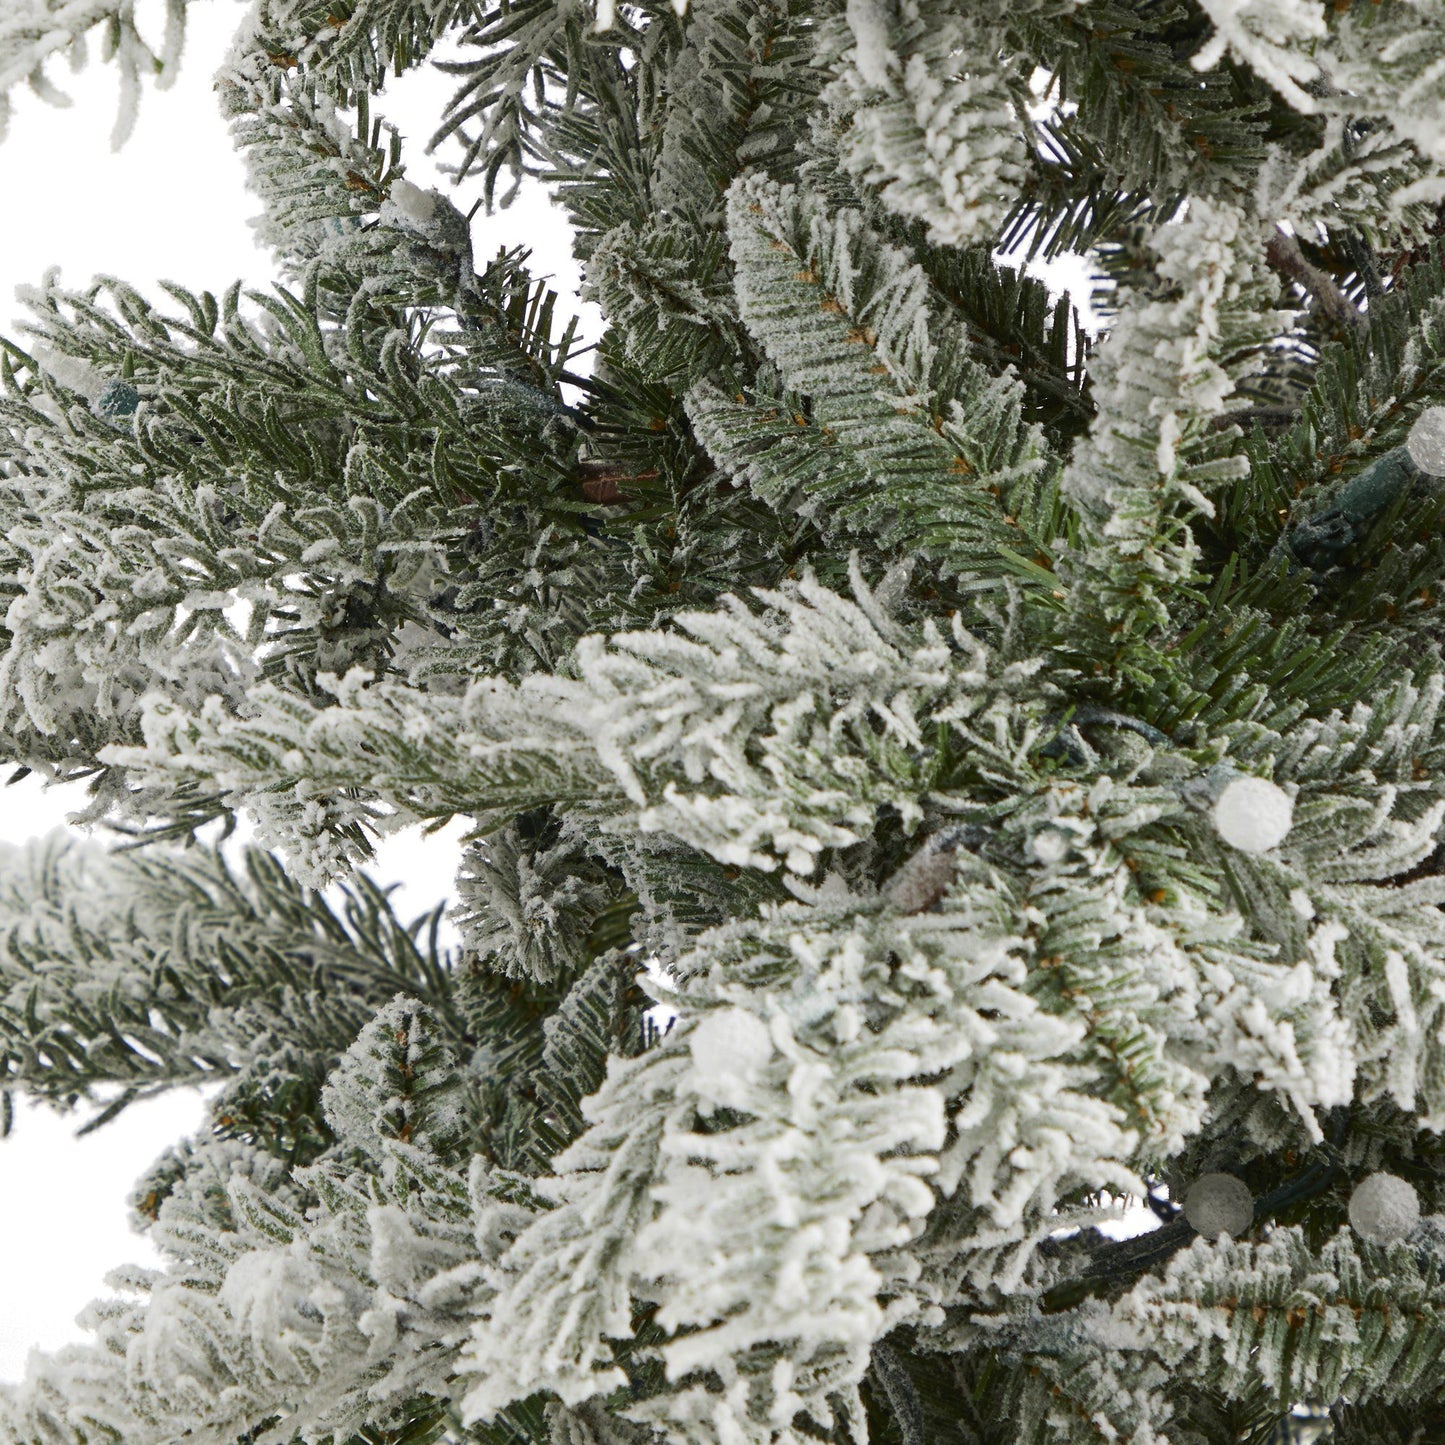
x=1426, y=442
x=1253, y=814
x=1218, y=1204
x=1384, y=1207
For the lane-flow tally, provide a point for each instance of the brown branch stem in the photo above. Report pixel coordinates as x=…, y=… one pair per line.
x=1284, y=254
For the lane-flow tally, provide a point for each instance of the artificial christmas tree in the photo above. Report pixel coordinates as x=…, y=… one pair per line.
x=931, y=772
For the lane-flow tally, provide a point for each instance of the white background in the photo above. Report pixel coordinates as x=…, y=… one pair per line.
x=171, y=205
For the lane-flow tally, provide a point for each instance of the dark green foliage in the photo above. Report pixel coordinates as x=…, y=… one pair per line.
x=836, y=309
x=147, y=971
x=523, y=46
x=1387, y=1425
x=1147, y=130
x=399, y=1081
x=541, y=1049
x=1013, y=321
x=351, y=44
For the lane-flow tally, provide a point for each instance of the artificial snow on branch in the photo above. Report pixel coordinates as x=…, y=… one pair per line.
x=944, y=768
x=34, y=32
